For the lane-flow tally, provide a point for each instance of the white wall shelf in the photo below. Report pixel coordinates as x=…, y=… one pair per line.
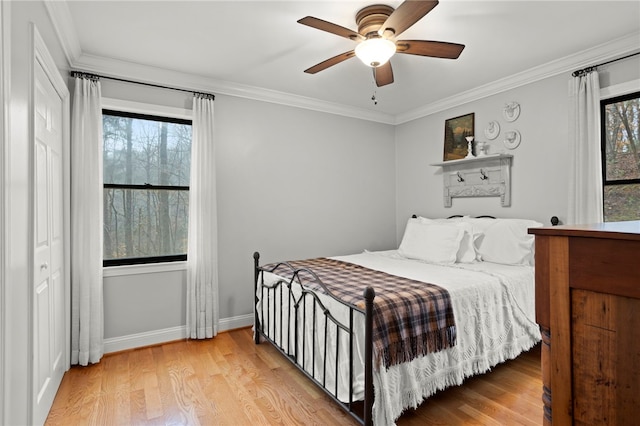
x=482, y=176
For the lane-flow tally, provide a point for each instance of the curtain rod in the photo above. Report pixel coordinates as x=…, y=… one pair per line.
x=593, y=67
x=97, y=77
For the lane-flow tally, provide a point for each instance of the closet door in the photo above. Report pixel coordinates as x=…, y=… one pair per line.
x=49, y=300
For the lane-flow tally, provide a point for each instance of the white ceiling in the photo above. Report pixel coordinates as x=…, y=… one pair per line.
x=259, y=45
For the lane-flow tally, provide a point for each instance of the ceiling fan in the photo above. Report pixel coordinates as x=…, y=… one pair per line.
x=378, y=28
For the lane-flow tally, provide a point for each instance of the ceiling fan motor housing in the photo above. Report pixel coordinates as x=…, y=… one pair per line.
x=371, y=18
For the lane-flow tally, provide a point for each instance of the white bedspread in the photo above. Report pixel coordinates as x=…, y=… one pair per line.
x=494, y=308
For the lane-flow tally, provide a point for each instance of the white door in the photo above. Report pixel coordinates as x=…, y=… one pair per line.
x=49, y=335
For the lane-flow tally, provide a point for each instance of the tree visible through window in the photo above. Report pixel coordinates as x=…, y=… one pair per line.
x=621, y=157
x=146, y=162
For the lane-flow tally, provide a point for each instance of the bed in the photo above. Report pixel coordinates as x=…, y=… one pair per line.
x=360, y=327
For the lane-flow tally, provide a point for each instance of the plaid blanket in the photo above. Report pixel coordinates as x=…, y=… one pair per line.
x=411, y=318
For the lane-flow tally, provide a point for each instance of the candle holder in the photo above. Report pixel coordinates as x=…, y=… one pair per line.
x=469, y=147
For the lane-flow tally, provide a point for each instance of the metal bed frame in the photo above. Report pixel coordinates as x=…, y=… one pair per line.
x=360, y=411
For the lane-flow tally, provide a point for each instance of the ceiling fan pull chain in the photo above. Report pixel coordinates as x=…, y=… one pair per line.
x=373, y=84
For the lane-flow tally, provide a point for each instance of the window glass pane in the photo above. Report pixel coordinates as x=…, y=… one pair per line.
x=142, y=223
x=621, y=202
x=140, y=151
x=622, y=139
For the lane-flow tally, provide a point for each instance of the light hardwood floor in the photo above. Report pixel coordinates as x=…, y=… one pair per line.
x=230, y=381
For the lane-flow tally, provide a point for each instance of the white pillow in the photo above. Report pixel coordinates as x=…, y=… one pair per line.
x=506, y=241
x=466, y=251
x=434, y=243
x=478, y=226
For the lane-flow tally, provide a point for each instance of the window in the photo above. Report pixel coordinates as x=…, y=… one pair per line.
x=146, y=166
x=621, y=157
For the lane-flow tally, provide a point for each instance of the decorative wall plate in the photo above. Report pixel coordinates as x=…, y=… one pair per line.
x=492, y=130
x=512, y=139
x=511, y=111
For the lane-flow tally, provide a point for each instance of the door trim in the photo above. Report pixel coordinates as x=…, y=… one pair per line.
x=40, y=55
x=5, y=88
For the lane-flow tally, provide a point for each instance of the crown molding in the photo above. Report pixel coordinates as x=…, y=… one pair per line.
x=64, y=27
x=110, y=67
x=601, y=53
x=63, y=23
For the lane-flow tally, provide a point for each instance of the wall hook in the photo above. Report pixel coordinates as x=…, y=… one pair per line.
x=460, y=178
x=483, y=175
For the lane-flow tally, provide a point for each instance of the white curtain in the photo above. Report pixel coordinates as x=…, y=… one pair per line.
x=202, y=254
x=87, y=318
x=585, y=166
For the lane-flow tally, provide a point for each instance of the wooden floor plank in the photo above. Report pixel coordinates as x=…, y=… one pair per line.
x=229, y=380
x=165, y=359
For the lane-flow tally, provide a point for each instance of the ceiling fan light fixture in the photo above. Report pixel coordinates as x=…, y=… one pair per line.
x=375, y=51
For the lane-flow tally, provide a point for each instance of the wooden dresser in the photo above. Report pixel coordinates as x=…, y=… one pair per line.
x=588, y=309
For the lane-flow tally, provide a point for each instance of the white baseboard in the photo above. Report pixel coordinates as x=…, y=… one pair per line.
x=235, y=322
x=154, y=337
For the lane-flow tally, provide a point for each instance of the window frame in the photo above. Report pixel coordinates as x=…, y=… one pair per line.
x=129, y=109
x=609, y=97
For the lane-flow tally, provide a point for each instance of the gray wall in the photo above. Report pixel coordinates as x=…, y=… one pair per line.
x=539, y=171
x=538, y=163
x=292, y=183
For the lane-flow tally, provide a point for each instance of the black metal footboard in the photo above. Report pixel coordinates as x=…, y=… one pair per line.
x=282, y=308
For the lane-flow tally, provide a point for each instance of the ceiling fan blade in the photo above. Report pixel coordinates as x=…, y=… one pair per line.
x=383, y=74
x=330, y=28
x=330, y=62
x=436, y=49
x=407, y=14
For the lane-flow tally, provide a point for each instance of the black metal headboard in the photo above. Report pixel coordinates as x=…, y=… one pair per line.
x=554, y=219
